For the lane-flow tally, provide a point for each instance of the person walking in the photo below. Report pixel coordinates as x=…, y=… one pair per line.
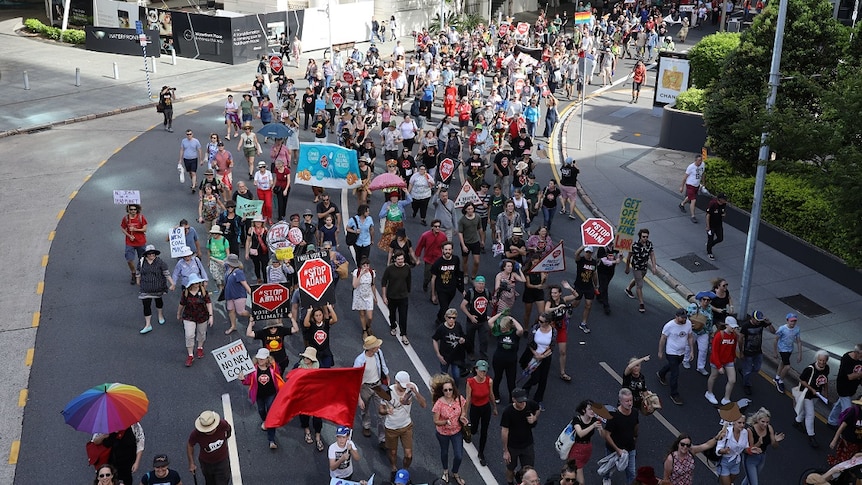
x=195, y=311
x=167, y=96
x=715, y=213
x=847, y=382
x=638, y=79
x=263, y=383
x=126, y=448
x=761, y=434
x=609, y=257
x=154, y=279
x=676, y=336
x=444, y=211
x=134, y=228
x=516, y=432
x=161, y=474
x=191, y=156
x=476, y=305
x=585, y=423
x=342, y=454
x=397, y=420
x=541, y=344
x=480, y=405
x=641, y=257
x=364, y=295
x=813, y=384
x=250, y=147
x=751, y=345
x=621, y=434
x=732, y=446
x=450, y=415
x=375, y=373
x=700, y=313
x=449, y=342
x=211, y=434
x=568, y=186
x=363, y=226
x=721, y=360
x=430, y=249
x=586, y=282
x=680, y=461
x=446, y=279
x=693, y=179
x=236, y=290
x=395, y=291
x=785, y=337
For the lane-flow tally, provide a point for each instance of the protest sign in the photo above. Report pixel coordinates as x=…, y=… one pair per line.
x=233, y=360
x=555, y=260
x=247, y=209
x=177, y=239
x=625, y=234
x=327, y=165
x=123, y=197
x=467, y=194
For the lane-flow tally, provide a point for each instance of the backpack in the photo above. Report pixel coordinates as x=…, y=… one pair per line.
x=351, y=237
x=414, y=108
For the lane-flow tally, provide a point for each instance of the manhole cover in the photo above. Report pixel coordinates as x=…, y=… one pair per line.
x=694, y=263
x=664, y=163
x=804, y=306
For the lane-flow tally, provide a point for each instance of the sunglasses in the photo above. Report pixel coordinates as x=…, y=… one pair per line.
x=436, y=226
x=685, y=445
x=450, y=318
x=105, y=475
x=569, y=480
x=448, y=389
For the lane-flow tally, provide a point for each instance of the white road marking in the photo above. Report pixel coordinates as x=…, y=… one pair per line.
x=227, y=410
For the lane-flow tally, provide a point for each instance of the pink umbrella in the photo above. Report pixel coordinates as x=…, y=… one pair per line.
x=386, y=181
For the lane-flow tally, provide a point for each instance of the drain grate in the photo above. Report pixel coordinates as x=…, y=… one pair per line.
x=694, y=263
x=804, y=306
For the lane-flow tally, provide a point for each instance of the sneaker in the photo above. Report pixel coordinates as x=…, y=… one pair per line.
x=710, y=397
x=813, y=442
x=630, y=293
x=583, y=326
x=482, y=461
x=606, y=481
x=686, y=364
x=798, y=426
x=497, y=401
x=681, y=208
x=661, y=379
x=641, y=308
x=132, y=281
x=562, y=211
x=676, y=399
x=725, y=401
x=200, y=353
x=779, y=384
x=273, y=445
x=694, y=219
x=541, y=406
x=747, y=390
x=711, y=257
x=572, y=216
x=703, y=371
x=189, y=361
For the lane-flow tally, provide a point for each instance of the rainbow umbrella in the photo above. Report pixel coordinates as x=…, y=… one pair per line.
x=106, y=408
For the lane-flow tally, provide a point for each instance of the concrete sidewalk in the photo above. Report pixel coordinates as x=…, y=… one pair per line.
x=619, y=158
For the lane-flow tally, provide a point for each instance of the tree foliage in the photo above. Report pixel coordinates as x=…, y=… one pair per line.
x=692, y=99
x=707, y=57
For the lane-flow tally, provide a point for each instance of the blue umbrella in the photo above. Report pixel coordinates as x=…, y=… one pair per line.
x=275, y=130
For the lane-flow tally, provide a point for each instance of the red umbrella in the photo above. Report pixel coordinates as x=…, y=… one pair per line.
x=386, y=181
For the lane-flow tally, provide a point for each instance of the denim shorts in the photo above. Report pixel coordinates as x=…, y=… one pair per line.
x=727, y=467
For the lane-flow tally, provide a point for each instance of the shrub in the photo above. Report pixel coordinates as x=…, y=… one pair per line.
x=72, y=36
x=707, y=57
x=34, y=25
x=693, y=99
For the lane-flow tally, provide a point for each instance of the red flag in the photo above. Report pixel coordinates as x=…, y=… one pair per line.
x=330, y=394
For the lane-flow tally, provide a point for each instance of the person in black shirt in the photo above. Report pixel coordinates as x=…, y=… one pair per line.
x=752, y=341
x=586, y=281
x=516, y=430
x=272, y=339
x=308, y=106
x=448, y=341
x=621, y=433
x=521, y=144
x=446, y=279
x=568, y=190
x=608, y=259
x=714, y=228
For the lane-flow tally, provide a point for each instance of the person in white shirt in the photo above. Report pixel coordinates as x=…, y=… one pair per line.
x=395, y=408
x=675, y=336
x=398, y=50
x=376, y=371
x=341, y=454
x=730, y=448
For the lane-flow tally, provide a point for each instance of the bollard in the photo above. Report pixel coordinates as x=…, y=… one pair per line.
x=26, y=81
x=77, y=76
x=116, y=71
x=173, y=57
x=155, y=70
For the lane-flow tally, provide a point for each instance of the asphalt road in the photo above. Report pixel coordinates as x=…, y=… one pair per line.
x=91, y=317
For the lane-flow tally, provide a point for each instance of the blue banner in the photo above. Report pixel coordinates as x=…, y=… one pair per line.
x=327, y=165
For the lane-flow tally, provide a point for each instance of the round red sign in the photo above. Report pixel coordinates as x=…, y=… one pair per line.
x=315, y=277
x=275, y=64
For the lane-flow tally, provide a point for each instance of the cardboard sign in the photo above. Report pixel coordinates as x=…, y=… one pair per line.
x=233, y=360
x=276, y=238
x=316, y=282
x=597, y=232
x=523, y=28
x=284, y=254
x=467, y=194
x=344, y=481
x=625, y=235
x=555, y=260
x=269, y=301
x=247, y=209
x=177, y=239
x=123, y=197
x=348, y=77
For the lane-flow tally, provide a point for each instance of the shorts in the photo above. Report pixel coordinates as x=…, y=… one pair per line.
x=691, y=192
x=636, y=87
x=237, y=305
x=134, y=253
x=532, y=295
x=785, y=357
x=524, y=456
x=726, y=467
x=191, y=164
x=405, y=435
x=249, y=152
x=639, y=277
x=711, y=365
x=568, y=192
x=246, y=118
x=472, y=248
x=588, y=293
x=463, y=123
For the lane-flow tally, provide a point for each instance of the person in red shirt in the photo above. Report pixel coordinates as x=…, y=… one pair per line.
x=721, y=360
x=430, y=248
x=134, y=227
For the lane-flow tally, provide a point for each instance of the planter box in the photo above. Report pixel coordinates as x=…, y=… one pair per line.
x=682, y=130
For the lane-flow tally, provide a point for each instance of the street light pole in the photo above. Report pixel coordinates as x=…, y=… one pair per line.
x=763, y=157
x=329, y=21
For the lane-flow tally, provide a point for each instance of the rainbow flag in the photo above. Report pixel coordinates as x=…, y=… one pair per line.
x=582, y=17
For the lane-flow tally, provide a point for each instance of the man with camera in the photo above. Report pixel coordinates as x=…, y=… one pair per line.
x=165, y=106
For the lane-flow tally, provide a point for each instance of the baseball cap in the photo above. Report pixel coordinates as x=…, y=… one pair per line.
x=160, y=460
x=731, y=322
x=791, y=317
x=519, y=395
x=758, y=315
x=342, y=431
x=482, y=365
x=680, y=312
x=402, y=477
x=402, y=377
x=589, y=249
x=479, y=279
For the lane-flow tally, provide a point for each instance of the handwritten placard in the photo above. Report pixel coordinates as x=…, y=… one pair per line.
x=233, y=360
x=247, y=209
x=177, y=239
x=123, y=197
x=628, y=223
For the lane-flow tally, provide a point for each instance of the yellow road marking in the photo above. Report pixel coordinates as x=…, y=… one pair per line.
x=36, y=317
x=87, y=177
x=133, y=138
x=13, y=452
x=22, y=398
x=51, y=235
x=73, y=194
x=28, y=359
x=40, y=287
x=60, y=214
x=44, y=260
x=103, y=162
x=116, y=152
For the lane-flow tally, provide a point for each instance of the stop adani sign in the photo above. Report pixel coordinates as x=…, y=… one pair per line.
x=315, y=281
x=271, y=300
x=597, y=232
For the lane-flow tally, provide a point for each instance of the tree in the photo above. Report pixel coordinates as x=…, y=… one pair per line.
x=708, y=56
x=735, y=114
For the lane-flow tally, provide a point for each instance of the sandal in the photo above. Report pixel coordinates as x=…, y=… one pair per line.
x=392, y=332
x=566, y=377
x=458, y=479
x=319, y=444
x=308, y=437
x=404, y=340
x=445, y=477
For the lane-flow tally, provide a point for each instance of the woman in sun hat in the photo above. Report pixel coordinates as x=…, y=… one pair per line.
x=264, y=382
x=309, y=361
x=236, y=290
x=256, y=249
x=188, y=265
x=155, y=280
x=218, y=248
x=195, y=311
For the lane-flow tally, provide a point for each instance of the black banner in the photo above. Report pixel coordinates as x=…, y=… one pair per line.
x=248, y=37
x=203, y=37
x=118, y=41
